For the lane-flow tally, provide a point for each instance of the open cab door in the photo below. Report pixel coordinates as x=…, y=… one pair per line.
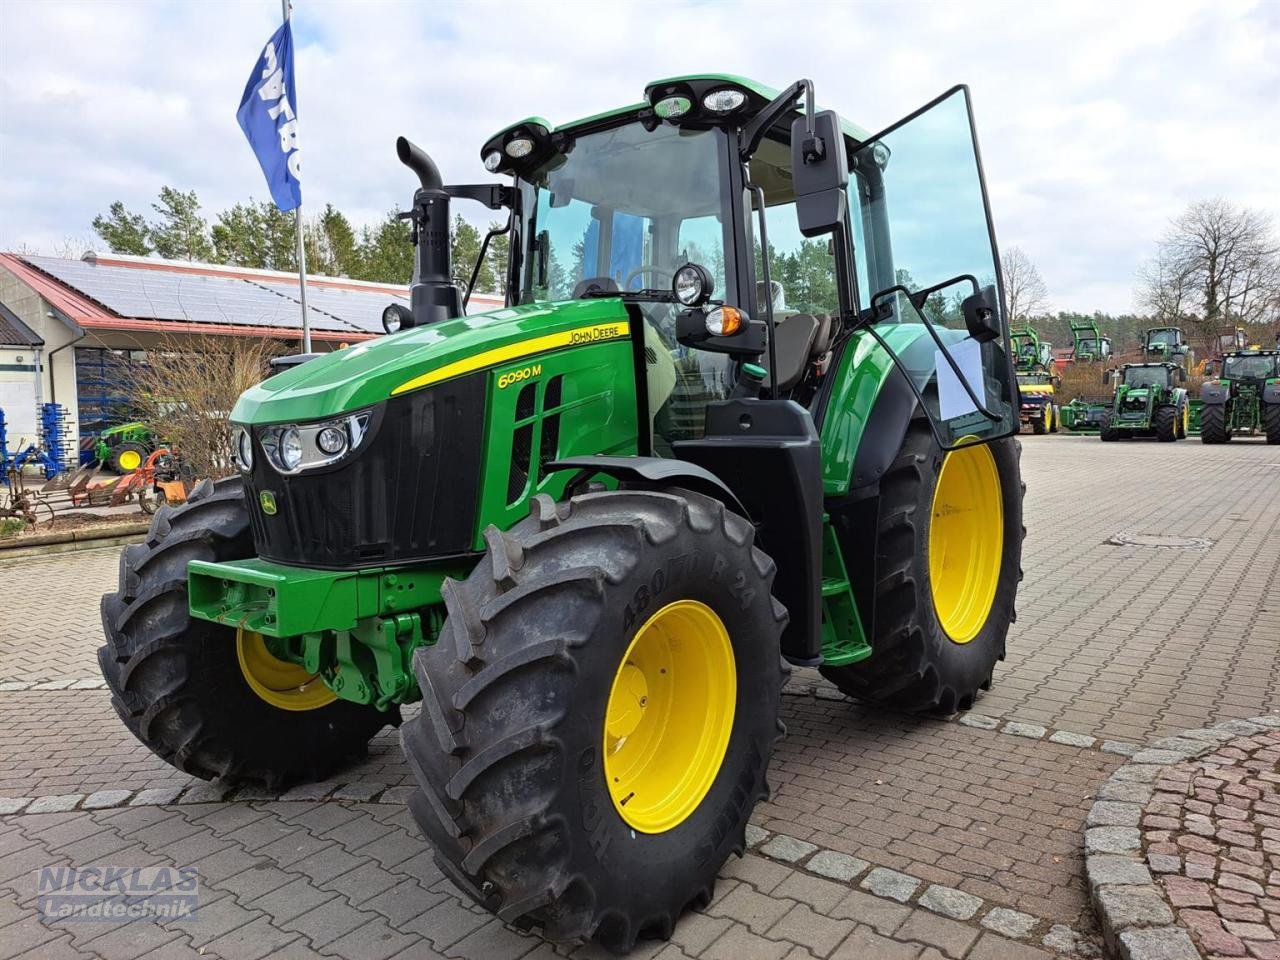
x=926, y=257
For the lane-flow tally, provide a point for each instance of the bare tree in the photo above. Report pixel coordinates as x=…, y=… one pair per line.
x=186, y=391
x=1023, y=286
x=1217, y=266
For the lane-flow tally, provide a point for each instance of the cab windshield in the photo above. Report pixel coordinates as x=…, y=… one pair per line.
x=1163, y=338
x=1249, y=368
x=622, y=211
x=1146, y=377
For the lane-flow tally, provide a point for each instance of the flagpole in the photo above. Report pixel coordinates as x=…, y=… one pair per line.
x=301, y=250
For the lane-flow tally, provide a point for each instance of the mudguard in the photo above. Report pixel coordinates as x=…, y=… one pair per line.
x=1215, y=393
x=659, y=471
x=1271, y=392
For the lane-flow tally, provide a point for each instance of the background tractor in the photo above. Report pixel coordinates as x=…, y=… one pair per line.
x=590, y=530
x=1167, y=345
x=1036, y=407
x=1031, y=354
x=124, y=447
x=1088, y=343
x=1147, y=403
x=1245, y=396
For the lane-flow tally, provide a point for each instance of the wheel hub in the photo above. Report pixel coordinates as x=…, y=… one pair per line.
x=966, y=541
x=669, y=716
x=280, y=683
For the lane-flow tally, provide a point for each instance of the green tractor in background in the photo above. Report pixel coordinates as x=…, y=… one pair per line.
x=1147, y=403
x=1245, y=396
x=1167, y=345
x=589, y=531
x=1034, y=366
x=124, y=447
x=1088, y=343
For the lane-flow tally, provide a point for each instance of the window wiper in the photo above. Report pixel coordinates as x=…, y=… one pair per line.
x=627, y=296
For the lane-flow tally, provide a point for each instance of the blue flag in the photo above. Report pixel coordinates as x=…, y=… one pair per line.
x=269, y=118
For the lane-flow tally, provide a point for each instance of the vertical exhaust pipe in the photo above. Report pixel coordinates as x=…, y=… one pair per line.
x=433, y=296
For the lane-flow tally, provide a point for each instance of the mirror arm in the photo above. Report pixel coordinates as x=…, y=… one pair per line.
x=751, y=135
x=495, y=196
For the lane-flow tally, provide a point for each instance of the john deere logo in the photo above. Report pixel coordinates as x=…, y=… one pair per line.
x=268, y=501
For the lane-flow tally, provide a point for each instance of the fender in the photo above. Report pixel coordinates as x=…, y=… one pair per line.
x=1215, y=393
x=658, y=471
x=1271, y=392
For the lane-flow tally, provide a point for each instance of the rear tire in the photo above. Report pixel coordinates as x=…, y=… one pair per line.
x=1041, y=424
x=1166, y=425
x=1057, y=420
x=1213, y=424
x=176, y=681
x=1271, y=421
x=1106, y=431
x=510, y=749
x=915, y=664
x=133, y=454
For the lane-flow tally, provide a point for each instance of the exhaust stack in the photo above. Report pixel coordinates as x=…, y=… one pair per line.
x=433, y=296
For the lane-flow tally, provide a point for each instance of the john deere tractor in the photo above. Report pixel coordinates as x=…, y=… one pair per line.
x=1088, y=343
x=1031, y=354
x=1245, y=396
x=1167, y=345
x=588, y=531
x=1147, y=403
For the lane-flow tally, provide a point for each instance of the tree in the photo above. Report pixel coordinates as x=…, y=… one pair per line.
x=1217, y=266
x=385, y=252
x=330, y=243
x=181, y=233
x=257, y=235
x=1023, y=287
x=124, y=232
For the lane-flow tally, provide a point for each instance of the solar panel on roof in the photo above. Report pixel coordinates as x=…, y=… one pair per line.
x=149, y=294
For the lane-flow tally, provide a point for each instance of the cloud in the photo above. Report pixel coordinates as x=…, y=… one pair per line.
x=1098, y=121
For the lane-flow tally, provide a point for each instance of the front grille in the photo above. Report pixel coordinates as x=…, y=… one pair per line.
x=409, y=494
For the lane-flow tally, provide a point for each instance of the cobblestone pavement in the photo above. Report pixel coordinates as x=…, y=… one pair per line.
x=885, y=835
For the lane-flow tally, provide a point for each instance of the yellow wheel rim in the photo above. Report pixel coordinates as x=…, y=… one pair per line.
x=130, y=460
x=1048, y=416
x=669, y=716
x=966, y=541
x=1186, y=419
x=287, y=686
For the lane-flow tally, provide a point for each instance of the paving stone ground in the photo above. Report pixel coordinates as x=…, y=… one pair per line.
x=882, y=829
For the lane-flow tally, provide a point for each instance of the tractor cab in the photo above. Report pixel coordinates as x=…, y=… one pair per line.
x=1088, y=343
x=1138, y=376
x=1164, y=342
x=1254, y=367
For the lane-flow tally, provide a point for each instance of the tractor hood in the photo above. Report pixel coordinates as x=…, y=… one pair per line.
x=371, y=372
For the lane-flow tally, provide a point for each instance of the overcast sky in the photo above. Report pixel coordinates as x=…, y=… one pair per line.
x=1098, y=121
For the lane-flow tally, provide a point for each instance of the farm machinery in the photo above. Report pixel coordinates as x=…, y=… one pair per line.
x=1147, y=403
x=124, y=447
x=1031, y=354
x=1167, y=345
x=1244, y=397
x=1036, y=407
x=1088, y=343
x=589, y=530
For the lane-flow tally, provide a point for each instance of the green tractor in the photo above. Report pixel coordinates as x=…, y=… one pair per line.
x=589, y=531
x=1245, y=396
x=1147, y=403
x=1031, y=354
x=1166, y=344
x=1088, y=343
x=124, y=447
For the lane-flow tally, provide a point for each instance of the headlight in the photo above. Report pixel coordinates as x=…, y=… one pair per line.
x=672, y=107
x=691, y=285
x=519, y=147
x=493, y=161
x=243, y=446
x=725, y=100
x=290, y=449
x=294, y=448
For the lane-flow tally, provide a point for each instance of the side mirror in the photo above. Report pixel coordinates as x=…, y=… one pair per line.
x=819, y=175
x=981, y=314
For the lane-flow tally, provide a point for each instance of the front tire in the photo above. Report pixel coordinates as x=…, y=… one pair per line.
x=127, y=456
x=1041, y=424
x=181, y=685
x=949, y=551
x=1166, y=424
x=1056, y=413
x=1106, y=432
x=1271, y=421
x=535, y=691
x=1213, y=424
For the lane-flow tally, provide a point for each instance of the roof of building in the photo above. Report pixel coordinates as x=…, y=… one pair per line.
x=15, y=333
x=111, y=291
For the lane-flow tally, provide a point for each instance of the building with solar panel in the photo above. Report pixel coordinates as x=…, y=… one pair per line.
x=79, y=325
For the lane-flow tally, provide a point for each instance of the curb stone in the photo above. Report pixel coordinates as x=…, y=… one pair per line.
x=1136, y=917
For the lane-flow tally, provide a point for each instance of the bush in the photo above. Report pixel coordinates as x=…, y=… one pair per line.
x=186, y=393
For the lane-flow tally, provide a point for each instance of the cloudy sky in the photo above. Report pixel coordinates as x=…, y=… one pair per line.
x=1098, y=121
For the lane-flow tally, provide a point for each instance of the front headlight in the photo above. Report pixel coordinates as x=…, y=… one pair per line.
x=295, y=447
x=243, y=448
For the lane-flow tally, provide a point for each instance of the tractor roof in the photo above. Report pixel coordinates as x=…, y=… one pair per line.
x=850, y=130
x=1251, y=353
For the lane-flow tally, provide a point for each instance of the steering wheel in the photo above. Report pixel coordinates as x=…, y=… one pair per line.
x=641, y=271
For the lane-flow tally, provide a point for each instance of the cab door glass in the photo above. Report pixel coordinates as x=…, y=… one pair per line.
x=923, y=245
